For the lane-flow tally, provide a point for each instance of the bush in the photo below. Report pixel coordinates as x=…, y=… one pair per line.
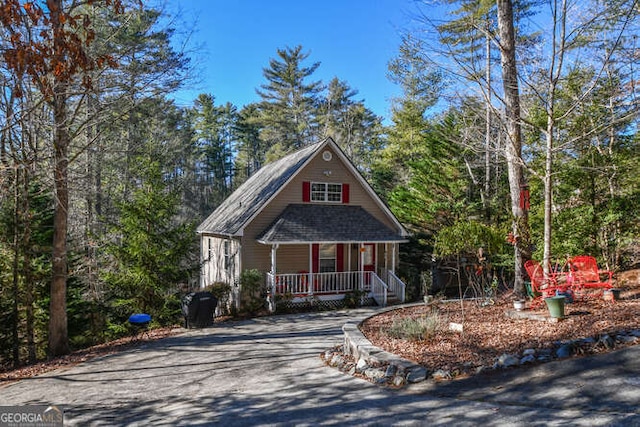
x=222, y=291
x=416, y=329
x=253, y=291
x=353, y=299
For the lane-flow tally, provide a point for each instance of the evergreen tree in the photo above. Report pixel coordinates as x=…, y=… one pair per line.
x=252, y=149
x=150, y=251
x=289, y=103
x=214, y=138
x=355, y=128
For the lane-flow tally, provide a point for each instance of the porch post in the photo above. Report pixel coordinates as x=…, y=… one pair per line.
x=310, y=270
x=274, y=248
x=272, y=302
x=393, y=258
x=361, y=286
x=386, y=260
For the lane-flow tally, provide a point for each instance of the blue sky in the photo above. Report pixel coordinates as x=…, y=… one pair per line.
x=352, y=39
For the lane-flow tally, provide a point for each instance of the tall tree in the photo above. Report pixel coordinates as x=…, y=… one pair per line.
x=289, y=102
x=355, y=128
x=214, y=138
x=150, y=256
x=252, y=149
x=513, y=149
x=49, y=45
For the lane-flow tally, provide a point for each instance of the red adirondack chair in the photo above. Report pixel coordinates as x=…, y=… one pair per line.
x=584, y=274
x=541, y=287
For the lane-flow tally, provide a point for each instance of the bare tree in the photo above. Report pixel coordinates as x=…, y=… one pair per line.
x=513, y=146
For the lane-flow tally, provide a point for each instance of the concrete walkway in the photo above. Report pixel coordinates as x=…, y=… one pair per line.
x=267, y=371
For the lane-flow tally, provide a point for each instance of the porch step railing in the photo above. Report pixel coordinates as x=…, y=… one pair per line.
x=379, y=290
x=396, y=286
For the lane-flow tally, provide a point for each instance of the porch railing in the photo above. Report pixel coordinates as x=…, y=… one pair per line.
x=396, y=286
x=309, y=284
x=318, y=283
x=379, y=290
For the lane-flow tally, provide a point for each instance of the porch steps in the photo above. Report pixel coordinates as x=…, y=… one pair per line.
x=392, y=299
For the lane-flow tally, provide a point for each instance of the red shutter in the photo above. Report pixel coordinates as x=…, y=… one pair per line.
x=340, y=257
x=345, y=193
x=306, y=191
x=315, y=254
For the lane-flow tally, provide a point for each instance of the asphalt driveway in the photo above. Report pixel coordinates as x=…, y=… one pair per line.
x=267, y=371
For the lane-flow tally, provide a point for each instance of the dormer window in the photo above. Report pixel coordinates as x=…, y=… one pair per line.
x=326, y=192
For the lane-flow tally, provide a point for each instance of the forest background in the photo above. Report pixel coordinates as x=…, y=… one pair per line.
x=103, y=177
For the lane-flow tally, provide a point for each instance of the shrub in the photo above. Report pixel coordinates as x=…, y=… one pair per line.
x=353, y=299
x=222, y=291
x=253, y=291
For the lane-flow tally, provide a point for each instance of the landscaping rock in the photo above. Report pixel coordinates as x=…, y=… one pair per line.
x=565, y=350
x=441, y=375
x=507, y=360
x=374, y=373
x=529, y=358
x=606, y=341
x=417, y=374
x=391, y=371
x=337, y=361
x=398, y=381
x=361, y=365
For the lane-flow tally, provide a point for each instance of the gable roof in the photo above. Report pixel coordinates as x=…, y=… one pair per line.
x=248, y=199
x=327, y=224
x=235, y=212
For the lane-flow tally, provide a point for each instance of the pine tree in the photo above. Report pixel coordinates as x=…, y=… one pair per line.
x=151, y=252
x=289, y=102
x=355, y=128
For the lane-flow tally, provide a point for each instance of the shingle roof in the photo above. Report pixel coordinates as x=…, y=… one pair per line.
x=313, y=223
x=251, y=196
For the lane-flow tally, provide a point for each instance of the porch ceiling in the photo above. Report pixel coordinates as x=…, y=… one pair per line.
x=312, y=223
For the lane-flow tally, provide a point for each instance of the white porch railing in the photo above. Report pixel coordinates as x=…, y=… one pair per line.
x=396, y=286
x=318, y=283
x=379, y=290
x=326, y=284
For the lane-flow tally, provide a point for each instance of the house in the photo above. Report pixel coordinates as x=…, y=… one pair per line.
x=312, y=224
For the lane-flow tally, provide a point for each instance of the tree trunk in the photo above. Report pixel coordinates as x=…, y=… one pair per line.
x=15, y=313
x=513, y=145
x=28, y=269
x=58, y=333
x=487, y=135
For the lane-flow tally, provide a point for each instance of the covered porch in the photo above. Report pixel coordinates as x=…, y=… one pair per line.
x=326, y=252
x=329, y=286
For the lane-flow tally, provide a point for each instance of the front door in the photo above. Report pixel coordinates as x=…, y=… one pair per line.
x=369, y=257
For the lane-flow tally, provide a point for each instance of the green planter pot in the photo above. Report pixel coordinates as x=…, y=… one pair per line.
x=555, y=306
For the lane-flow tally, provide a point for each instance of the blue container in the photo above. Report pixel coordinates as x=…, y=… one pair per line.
x=568, y=295
x=139, y=318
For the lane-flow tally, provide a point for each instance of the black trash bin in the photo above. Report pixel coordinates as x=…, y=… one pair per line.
x=199, y=309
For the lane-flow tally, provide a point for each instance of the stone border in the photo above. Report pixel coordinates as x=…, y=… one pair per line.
x=398, y=371
x=383, y=367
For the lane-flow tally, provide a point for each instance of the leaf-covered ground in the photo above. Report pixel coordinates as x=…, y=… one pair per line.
x=80, y=356
x=488, y=332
